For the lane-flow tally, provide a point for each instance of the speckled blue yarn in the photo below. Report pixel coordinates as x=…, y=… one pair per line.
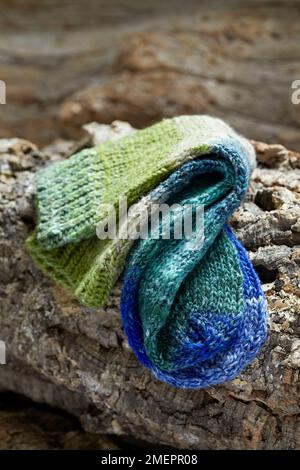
x=209, y=346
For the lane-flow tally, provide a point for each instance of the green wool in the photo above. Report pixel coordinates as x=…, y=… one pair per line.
x=71, y=196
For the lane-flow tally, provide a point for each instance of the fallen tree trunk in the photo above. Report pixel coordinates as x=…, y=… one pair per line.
x=140, y=61
x=66, y=355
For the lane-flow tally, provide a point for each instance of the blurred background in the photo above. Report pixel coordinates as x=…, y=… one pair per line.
x=70, y=62
x=66, y=63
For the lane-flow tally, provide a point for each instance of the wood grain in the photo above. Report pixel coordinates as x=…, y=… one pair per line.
x=66, y=65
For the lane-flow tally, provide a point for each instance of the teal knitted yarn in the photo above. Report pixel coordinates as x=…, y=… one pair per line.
x=197, y=317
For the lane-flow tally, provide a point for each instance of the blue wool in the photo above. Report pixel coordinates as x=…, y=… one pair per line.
x=210, y=346
x=225, y=365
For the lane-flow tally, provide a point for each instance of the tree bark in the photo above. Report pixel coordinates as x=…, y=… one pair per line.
x=66, y=355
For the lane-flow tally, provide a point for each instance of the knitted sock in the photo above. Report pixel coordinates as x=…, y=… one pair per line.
x=195, y=317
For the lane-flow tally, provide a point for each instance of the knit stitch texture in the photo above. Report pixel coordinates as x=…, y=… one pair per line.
x=194, y=317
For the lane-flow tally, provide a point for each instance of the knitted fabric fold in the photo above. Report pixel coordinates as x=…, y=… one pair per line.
x=195, y=317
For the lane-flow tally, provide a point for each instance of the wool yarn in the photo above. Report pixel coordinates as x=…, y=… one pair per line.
x=195, y=317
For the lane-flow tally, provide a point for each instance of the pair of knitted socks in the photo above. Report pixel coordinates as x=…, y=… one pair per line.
x=195, y=317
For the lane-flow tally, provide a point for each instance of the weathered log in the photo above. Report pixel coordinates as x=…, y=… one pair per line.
x=140, y=61
x=78, y=359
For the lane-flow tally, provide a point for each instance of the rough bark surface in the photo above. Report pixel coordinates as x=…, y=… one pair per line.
x=143, y=60
x=78, y=359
